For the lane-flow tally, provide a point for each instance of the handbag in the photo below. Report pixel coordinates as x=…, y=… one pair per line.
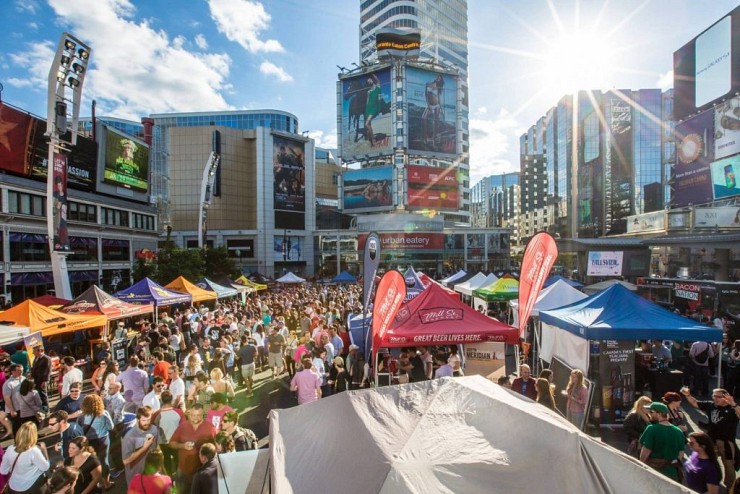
x=6, y=489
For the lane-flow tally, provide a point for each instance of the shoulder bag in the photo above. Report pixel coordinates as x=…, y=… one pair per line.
x=6, y=489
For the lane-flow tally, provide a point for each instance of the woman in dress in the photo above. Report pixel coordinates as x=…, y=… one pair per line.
x=96, y=425
x=577, y=394
x=635, y=423
x=153, y=480
x=702, y=471
x=82, y=456
x=26, y=461
x=30, y=403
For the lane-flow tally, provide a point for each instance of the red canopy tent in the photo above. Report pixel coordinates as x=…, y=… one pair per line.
x=94, y=301
x=435, y=318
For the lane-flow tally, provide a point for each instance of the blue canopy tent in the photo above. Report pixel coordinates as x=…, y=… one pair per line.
x=344, y=277
x=358, y=335
x=554, y=279
x=414, y=286
x=147, y=291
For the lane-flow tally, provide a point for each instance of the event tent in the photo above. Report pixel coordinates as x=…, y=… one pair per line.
x=49, y=321
x=613, y=314
x=244, y=281
x=557, y=295
x=94, y=301
x=344, y=277
x=476, y=281
x=453, y=277
x=462, y=279
x=463, y=434
x=259, y=278
x=146, y=291
x=358, y=335
x=603, y=285
x=435, y=318
x=553, y=279
x=220, y=290
x=51, y=301
x=500, y=290
x=180, y=284
x=414, y=285
x=290, y=277
x=11, y=333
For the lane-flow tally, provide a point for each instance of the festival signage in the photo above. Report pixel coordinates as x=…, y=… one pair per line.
x=59, y=216
x=389, y=296
x=431, y=98
x=692, y=183
x=539, y=257
x=15, y=127
x=616, y=371
x=687, y=291
x=31, y=341
x=370, y=267
x=605, y=263
x=407, y=241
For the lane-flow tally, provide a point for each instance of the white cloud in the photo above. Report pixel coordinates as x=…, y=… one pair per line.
x=665, y=81
x=324, y=140
x=489, y=145
x=201, y=42
x=269, y=68
x=135, y=70
x=27, y=6
x=242, y=21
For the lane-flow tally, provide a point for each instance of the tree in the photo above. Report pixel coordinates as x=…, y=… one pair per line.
x=218, y=263
x=174, y=262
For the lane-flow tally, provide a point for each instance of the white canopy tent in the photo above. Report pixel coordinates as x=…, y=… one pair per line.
x=454, y=277
x=290, y=277
x=10, y=333
x=476, y=281
x=557, y=295
x=462, y=434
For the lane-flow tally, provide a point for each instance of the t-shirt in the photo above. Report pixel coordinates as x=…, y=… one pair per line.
x=188, y=461
x=133, y=440
x=177, y=388
x=700, y=472
x=216, y=417
x=69, y=405
x=161, y=370
x=722, y=420
x=247, y=353
x=149, y=484
x=276, y=342
x=85, y=475
x=665, y=442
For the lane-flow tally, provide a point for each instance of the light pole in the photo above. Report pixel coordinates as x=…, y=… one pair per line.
x=66, y=76
x=206, y=191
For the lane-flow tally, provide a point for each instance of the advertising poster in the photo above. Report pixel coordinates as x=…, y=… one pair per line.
x=30, y=341
x=727, y=217
x=725, y=175
x=713, y=62
x=126, y=161
x=289, y=169
x=15, y=127
x=59, y=175
x=368, y=189
x=727, y=128
x=430, y=176
x=425, y=197
x=366, y=115
x=432, y=111
x=646, y=222
x=605, y=263
x=494, y=243
x=485, y=359
x=287, y=248
x=694, y=152
x=616, y=376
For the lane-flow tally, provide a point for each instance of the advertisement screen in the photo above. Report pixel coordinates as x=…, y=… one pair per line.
x=126, y=161
x=395, y=43
x=425, y=197
x=290, y=174
x=432, y=111
x=431, y=176
x=287, y=248
x=713, y=62
x=605, y=263
x=727, y=128
x=368, y=189
x=366, y=115
x=15, y=127
x=694, y=153
x=725, y=175
x=82, y=159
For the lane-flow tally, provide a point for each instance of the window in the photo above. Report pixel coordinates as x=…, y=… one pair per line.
x=23, y=203
x=86, y=213
x=114, y=217
x=143, y=221
x=116, y=249
x=29, y=247
x=83, y=249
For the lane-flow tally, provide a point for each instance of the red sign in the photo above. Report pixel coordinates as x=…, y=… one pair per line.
x=15, y=127
x=431, y=176
x=429, y=316
x=407, y=241
x=422, y=197
x=388, y=299
x=539, y=257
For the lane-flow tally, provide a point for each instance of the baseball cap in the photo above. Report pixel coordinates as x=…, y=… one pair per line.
x=657, y=406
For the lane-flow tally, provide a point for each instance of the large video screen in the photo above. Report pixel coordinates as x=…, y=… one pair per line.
x=366, y=116
x=287, y=248
x=369, y=189
x=82, y=159
x=692, y=182
x=126, y=161
x=432, y=176
x=289, y=174
x=725, y=176
x=431, y=98
x=425, y=197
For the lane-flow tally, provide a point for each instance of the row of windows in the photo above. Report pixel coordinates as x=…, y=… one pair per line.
x=25, y=251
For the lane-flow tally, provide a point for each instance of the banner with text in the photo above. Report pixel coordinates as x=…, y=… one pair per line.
x=539, y=257
x=388, y=299
x=404, y=241
x=605, y=263
x=616, y=371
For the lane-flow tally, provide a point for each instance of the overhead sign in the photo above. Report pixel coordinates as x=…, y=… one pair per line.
x=607, y=263
x=647, y=222
x=717, y=217
x=396, y=43
x=407, y=241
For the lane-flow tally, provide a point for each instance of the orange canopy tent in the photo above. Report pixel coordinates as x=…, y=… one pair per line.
x=50, y=322
x=180, y=284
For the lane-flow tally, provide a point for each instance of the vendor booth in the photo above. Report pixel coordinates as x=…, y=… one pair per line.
x=180, y=284
x=554, y=279
x=466, y=289
x=221, y=291
x=462, y=434
x=452, y=278
x=344, y=277
x=496, y=295
x=49, y=322
x=290, y=278
x=598, y=335
x=147, y=291
x=51, y=301
x=603, y=285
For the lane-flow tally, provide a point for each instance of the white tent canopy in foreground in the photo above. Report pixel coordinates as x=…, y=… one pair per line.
x=446, y=435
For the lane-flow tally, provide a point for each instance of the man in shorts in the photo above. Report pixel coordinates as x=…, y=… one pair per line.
x=248, y=352
x=275, y=345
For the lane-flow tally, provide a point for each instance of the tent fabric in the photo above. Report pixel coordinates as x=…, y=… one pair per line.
x=344, y=277
x=463, y=279
x=453, y=277
x=603, y=285
x=414, y=286
x=290, y=277
x=554, y=279
x=358, y=335
x=568, y=347
x=94, y=301
x=244, y=281
x=619, y=314
x=259, y=278
x=49, y=321
x=499, y=291
x=11, y=334
x=51, y=301
x=180, y=284
x=476, y=281
x=557, y=295
x=146, y=291
x=463, y=434
x=433, y=317
x=221, y=291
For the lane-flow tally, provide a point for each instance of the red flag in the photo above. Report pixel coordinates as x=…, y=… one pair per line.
x=389, y=296
x=539, y=257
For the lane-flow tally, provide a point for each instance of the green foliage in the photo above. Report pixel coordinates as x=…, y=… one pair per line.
x=193, y=264
x=218, y=263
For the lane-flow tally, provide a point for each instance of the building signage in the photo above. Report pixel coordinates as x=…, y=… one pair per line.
x=717, y=217
x=647, y=222
x=605, y=263
x=407, y=241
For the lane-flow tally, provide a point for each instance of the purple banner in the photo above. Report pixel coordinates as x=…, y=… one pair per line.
x=692, y=181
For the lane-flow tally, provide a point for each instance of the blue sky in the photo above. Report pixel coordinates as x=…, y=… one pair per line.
x=158, y=56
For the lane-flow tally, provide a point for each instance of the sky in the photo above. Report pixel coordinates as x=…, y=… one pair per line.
x=159, y=56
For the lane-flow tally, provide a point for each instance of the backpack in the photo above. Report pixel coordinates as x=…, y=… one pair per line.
x=248, y=435
x=703, y=356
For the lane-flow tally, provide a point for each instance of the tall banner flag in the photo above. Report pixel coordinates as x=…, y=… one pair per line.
x=539, y=257
x=388, y=299
x=59, y=172
x=370, y=267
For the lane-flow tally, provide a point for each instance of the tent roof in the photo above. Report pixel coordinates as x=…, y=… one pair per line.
x=552, y=279
x=290, y=277
x=463, y=434
x=95, y=301
x=51, y=301
x=146, y=291
x=453, y=277
x=435, y=317
x=244, y=281
x=500, y=290
x=180, y=284
x=603, y=285
x=344, y=277
x=558, y=294
x=220, y=290
x=49, y=321
x=414, y=286
x=459, y=281
x=476, y=281
x=619, y=314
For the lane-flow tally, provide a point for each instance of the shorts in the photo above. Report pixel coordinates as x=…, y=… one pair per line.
x=275, y=360
x=248, y=370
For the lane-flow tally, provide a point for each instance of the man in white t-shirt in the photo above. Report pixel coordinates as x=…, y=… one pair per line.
x=177, y=387
x=151, y=399
x=71, y=375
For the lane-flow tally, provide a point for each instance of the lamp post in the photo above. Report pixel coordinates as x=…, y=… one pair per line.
x=66, y=77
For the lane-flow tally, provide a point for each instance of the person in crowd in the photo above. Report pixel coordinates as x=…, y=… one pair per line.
x=205, y=479
x=675, y=414
x=30, y=403
x=525, y=384
x=224, y=443
x=97, y=425
x=82, y=457
x=11, y=397
x=544, y=394
x=701, y=470
x=661, y=352
x=187, y=440
x=635, y=423
x=58, y=422
x=176, y=387
x=319, y=367
x=71, y=374
x=151, y=399
x=161, y=366
x=72, y=403
x=41, y=373
x=113, y=370
x=307, y=383
x=25, y=461
x=504, y=381
x=138, y=442
x=444, y=369
x=222, y=384
x=168, y=420
x=454, y=361
x=201, y=392
x=244, y=439
x=98, y=376
x=577, y=395
x=192, y=368
x=153, y=480
x=62, y=481
x=662, y=443
x=700, y=354
x=20, y=357
x=359, y=370
x=276, y=347
x=724, y=414
x=247, y=354
x=135, y=382
x=338, y=376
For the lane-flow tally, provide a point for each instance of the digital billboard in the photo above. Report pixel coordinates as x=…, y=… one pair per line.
x=727, y=128
x=396, y=43
x=289, y=173
x=287, y=248
x=15, y=127
x=82, y=159
x=367, y=128
x=728, y=217
x=725, y=176
x=126, y=161
x=425, y=197
x=432, y=176
x=692, y=183
x=369, y=189
x=431, y=98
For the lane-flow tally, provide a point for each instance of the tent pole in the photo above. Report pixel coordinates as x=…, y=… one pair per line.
x=516, y=358
x=719, y=366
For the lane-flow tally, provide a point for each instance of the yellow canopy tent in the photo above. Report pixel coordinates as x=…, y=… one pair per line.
x=49, y=321
x=243, y=280
x=180, y=284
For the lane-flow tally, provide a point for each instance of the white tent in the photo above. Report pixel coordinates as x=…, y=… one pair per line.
x=290, y=278
x=476, y=281
x=462, y=434
x=10, y=333
x=557, y=295
x=454, y=277
x=603, y=285
x=243, y=472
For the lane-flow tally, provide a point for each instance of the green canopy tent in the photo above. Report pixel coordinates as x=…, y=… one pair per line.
x=501, y=290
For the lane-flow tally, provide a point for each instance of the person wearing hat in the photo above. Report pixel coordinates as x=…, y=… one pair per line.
x=662, y=442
